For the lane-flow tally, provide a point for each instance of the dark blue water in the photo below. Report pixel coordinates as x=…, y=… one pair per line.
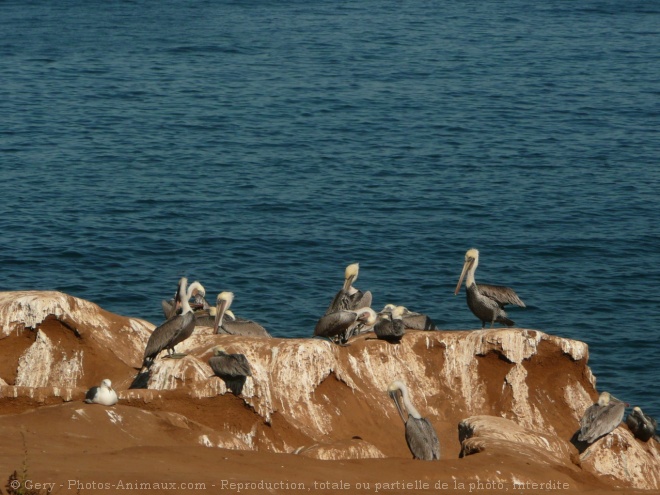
x=260, y=147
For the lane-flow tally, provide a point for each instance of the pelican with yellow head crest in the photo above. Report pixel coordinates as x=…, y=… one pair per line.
x=226, y=323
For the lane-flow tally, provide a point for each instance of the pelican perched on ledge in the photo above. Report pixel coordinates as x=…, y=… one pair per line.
x=340, y=325
x=348, y=297
x=601, y=418
x=177, y=328
x=232, y=368
x=420, y=435
x=390, y=325
x=412, y=319
x=233, y=325
x=642, y=425
x=486, y=301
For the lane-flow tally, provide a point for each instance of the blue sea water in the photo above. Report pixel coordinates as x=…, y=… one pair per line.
x=260, y=147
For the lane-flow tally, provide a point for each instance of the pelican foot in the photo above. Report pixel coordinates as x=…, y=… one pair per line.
x=175, y=355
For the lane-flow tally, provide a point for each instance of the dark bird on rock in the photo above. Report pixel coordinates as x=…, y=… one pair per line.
x=389, y=325
x=226, y=323
x=232, y=368
x=412, y=319
x=420, y=435
x=176, y=329
x=642, y=425
x=486, y=301
x=341, y=325
x=601, y=418
x=348, y=296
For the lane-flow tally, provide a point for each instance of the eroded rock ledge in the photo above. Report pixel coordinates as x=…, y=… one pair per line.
x=519, y=391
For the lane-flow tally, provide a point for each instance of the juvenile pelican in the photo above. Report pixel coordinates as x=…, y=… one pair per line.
x=601, y=418
x=413, y=320
x=641, y=425
x=486, y=301
x=232, y=368
x=224, y=323
x=103, y=394
x=389, y=325
x=420, y=435
x=176, y=329
x=348, y=296
x=340, y=325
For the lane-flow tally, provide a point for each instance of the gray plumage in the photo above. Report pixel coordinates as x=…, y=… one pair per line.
x=341, y=324
x=421, y=437
x=486, y=301
x=232, y=368
x=642, y=425
x=348, y=297
x=226, y=323
x=601, y=418
x=175, y=330
x=389, y=325
x=412, y=319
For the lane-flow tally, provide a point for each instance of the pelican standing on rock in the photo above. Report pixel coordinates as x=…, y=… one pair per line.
x=348, y=296
x=601, y=418
x=103, y=394
x=340, y=325
x=176, y=329
x=420, y=435
x=486, y=301
x=232, y=368
x=642, y=425
x=224, y=323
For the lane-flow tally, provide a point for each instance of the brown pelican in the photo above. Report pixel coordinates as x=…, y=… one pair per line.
x=348, y=296
x=340, y=325
x=234, y=326
x=420, y=435
x=232, y=368
x=641, y=425
x=411, y=319
x=486, y=301
x=199, y=305
x=389, y=325
x=601, y=418
x=176, y=329
x=103, y=394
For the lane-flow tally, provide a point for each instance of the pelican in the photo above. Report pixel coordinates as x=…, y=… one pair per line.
x=343, y=323
x=641, y=425
x=420, y=435
x=411, y=319
x=176, y=329
x=348, y=296
x=389, y=325
x=601, y=418
x=234, y=326
x=103, y=394
x=199, y=305
x=486, y=301
x=232, y=368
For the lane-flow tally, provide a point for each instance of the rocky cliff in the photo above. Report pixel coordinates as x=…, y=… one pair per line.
x=493, y=394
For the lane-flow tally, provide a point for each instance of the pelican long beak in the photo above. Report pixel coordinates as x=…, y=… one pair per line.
x=219, y=315
x=348, y=281
x=466, y=267
x=395, y=396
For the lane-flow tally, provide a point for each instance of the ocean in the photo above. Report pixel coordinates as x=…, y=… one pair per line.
x=260, y=147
